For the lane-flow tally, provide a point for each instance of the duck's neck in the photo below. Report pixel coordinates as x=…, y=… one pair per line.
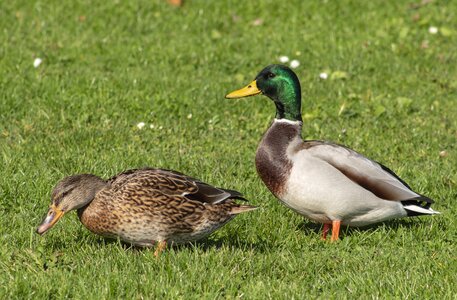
x=285, y=113
x=88, y=193
x=273, y=157
x=288, y=102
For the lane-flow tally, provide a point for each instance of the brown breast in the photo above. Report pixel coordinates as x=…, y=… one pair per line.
x=272, y=163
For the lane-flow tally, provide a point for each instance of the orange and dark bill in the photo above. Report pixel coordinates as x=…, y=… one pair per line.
x=53, y=215
x=249, y=90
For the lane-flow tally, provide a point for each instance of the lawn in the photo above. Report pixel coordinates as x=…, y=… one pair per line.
x=390, y=93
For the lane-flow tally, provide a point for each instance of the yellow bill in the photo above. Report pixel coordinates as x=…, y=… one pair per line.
x=249, y=90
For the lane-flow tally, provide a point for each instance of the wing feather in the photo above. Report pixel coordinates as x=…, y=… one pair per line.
x=172, y=183
x=367, y=173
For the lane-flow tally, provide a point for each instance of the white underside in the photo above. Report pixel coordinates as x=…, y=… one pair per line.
x=318, y=191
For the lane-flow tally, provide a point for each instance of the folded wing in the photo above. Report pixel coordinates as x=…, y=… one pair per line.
x=367, y=173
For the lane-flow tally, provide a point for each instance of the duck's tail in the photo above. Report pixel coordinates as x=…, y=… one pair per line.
x=419, y=206
x=242, y=208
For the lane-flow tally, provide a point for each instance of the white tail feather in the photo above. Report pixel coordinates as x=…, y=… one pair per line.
x=427, y=211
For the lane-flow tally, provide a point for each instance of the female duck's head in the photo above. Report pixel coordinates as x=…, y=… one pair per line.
x=72, y=192
x=281, y=85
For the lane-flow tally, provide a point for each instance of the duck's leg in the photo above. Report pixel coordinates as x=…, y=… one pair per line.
x=335, y=230
x=325, y=231
x=160, y=247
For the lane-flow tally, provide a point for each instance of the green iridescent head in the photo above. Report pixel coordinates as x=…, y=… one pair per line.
x=280, y=84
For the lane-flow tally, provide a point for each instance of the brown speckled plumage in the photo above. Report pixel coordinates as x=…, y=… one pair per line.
x=144, y=206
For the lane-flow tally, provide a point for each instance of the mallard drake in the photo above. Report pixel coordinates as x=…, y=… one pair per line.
x=144, y=206
x=323, y=181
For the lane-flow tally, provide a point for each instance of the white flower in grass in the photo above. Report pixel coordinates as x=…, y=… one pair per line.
x=257, y=22
x=433, y=30
x=152, y=126
x=37, y=62
x=323, y=75
x=294, y=64
x=283, y=59
x=140, y=125
x=189, y=116
x=443, y=153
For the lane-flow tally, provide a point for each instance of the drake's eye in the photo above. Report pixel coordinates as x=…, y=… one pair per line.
x=271, y=75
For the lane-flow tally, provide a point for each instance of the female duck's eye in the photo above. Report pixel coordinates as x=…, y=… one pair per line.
x=271, y=75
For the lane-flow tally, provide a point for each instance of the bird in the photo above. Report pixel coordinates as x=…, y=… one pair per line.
x=145, y=206
x=325, y=182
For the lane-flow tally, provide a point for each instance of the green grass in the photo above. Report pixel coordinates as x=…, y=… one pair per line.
x=109, y=65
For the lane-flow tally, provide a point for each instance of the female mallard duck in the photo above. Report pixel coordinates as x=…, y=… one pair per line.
x=144, y=206
x=322, y=181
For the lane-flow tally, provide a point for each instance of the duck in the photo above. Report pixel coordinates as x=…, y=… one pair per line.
x=323, y=181
x=145, y=207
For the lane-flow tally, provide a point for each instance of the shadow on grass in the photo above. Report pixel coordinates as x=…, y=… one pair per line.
x=262, y=244
x=206, y=244
x=309, y=227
